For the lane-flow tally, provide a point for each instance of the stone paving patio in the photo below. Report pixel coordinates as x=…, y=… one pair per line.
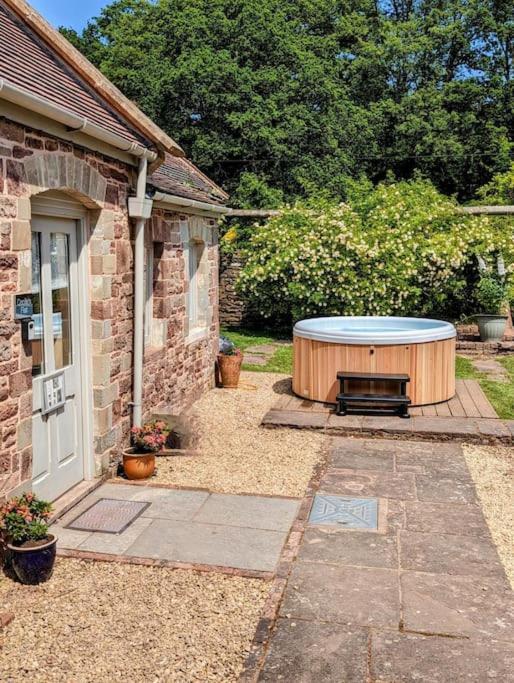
x=188, y=526
x=467, y=417
x=424, y=597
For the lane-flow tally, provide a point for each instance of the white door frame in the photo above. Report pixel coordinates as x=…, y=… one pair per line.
x=58, y=205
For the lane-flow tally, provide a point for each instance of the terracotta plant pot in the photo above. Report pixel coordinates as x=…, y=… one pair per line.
x=33, y=564
x=230, y=369
x=138, y=465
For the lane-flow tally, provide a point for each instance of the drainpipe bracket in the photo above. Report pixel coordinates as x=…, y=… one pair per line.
x=140, y=208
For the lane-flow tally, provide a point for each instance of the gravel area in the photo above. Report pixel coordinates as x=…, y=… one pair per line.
x=236, y=455
x=102, y=622
x=492, y=469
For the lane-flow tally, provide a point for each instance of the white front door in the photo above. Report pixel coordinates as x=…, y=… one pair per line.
x=58, y=459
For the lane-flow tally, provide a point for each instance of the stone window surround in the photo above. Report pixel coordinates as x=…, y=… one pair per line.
x=194, y=231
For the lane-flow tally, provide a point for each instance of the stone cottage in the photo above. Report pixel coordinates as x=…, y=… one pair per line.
x=108, y=264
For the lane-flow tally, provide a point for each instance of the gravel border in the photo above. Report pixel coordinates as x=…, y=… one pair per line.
x=492, y=470
x=237, y=455
x=102, y=622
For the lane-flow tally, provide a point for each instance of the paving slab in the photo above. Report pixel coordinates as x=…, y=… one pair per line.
x=369, y=483
x=243, y=532
x=465, y=606
x=310, y=652
x=255, y=359
x=342, y=595
x=295, y=419
x=456, y=618
x=354, y=457
x=440, y=465
x=115, y=544
x=213, y=544
x=347, y=548
x=436, y=489
x=275, y=514
x=404, y=658
x=172, y=504
x=449, y=554
x=446, y=518
x=69, y=538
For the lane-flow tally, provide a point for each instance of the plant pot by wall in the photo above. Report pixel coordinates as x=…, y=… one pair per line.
x=230, y=369
x=33, y=563
x=491, y=327
x=138, y=465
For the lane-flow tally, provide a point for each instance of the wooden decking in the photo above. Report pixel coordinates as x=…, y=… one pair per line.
x=469, y=401
x=468, y=416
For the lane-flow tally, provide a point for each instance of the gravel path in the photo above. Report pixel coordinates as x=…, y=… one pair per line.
x=239, y=456
x=492, y=469
x=103, y=622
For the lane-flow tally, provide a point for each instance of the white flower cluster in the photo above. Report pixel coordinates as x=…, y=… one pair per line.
x=407, y=246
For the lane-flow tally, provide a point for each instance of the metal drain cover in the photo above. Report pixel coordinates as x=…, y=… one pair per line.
x=108, y=515
x=351, y=513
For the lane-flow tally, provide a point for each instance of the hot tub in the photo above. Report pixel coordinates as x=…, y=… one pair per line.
x=422, y=348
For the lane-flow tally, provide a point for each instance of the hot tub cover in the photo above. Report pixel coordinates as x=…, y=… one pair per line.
x=375, y=330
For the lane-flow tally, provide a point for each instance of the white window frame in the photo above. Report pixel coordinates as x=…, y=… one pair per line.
x=197, y=327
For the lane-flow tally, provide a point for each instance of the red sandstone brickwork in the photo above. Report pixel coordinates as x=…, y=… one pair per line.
x=176, y=371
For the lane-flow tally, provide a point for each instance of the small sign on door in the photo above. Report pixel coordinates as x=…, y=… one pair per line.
x=54, y=395
x=23, y=307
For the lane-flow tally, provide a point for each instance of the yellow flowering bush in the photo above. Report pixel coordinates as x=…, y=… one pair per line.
x=399, y=249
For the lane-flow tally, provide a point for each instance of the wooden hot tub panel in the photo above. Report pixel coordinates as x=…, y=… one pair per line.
x=430, y=365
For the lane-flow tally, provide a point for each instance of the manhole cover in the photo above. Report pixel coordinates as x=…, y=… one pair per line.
x=108, y=515
x=352, y=513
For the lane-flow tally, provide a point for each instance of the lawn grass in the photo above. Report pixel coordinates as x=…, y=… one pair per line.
x=282, y=359
x=500, y=394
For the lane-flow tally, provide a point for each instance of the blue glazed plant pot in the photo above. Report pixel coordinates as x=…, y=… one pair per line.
x=33, y=564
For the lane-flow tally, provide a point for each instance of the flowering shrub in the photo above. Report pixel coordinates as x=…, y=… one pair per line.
x=397, y=249
x=25, y=519
x=151, y=437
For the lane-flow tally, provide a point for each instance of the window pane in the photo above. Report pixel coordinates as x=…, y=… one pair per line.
x=61, y=305
x=38, y=351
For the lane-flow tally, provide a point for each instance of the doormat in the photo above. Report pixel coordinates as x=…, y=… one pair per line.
x=351, y=513
x=108, y=515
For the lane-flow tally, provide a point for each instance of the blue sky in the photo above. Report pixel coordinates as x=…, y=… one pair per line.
x=70, y=13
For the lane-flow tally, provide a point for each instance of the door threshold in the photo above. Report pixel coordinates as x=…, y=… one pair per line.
x=74, y=495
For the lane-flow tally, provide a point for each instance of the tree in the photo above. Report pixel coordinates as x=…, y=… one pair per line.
x=302, y=95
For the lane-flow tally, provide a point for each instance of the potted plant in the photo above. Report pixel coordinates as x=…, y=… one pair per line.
x=139, y=460
x=229, y=363
x=490, y=295
x=31, y=549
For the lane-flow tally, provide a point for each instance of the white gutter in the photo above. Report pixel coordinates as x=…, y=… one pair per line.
x=175, y=200
x=77, y=124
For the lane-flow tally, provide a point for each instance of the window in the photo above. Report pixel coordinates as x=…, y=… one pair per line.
x=196, y=314
x=148, y=300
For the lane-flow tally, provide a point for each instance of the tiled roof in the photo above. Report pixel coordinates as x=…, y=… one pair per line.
x=27, y=62
x=180, y=177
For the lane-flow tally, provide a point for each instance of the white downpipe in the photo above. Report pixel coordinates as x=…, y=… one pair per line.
x=139, y=274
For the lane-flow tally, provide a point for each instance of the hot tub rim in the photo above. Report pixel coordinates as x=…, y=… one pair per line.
x=444, y=330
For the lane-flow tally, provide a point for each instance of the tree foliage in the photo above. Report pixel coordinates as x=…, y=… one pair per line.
x=401, y=249
x=297, y=96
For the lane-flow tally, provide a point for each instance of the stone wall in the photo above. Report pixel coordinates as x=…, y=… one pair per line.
x=233, y=311
x=177, y=369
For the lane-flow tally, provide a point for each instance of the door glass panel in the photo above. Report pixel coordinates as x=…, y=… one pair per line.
x=36, y=334
x=61, y=306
